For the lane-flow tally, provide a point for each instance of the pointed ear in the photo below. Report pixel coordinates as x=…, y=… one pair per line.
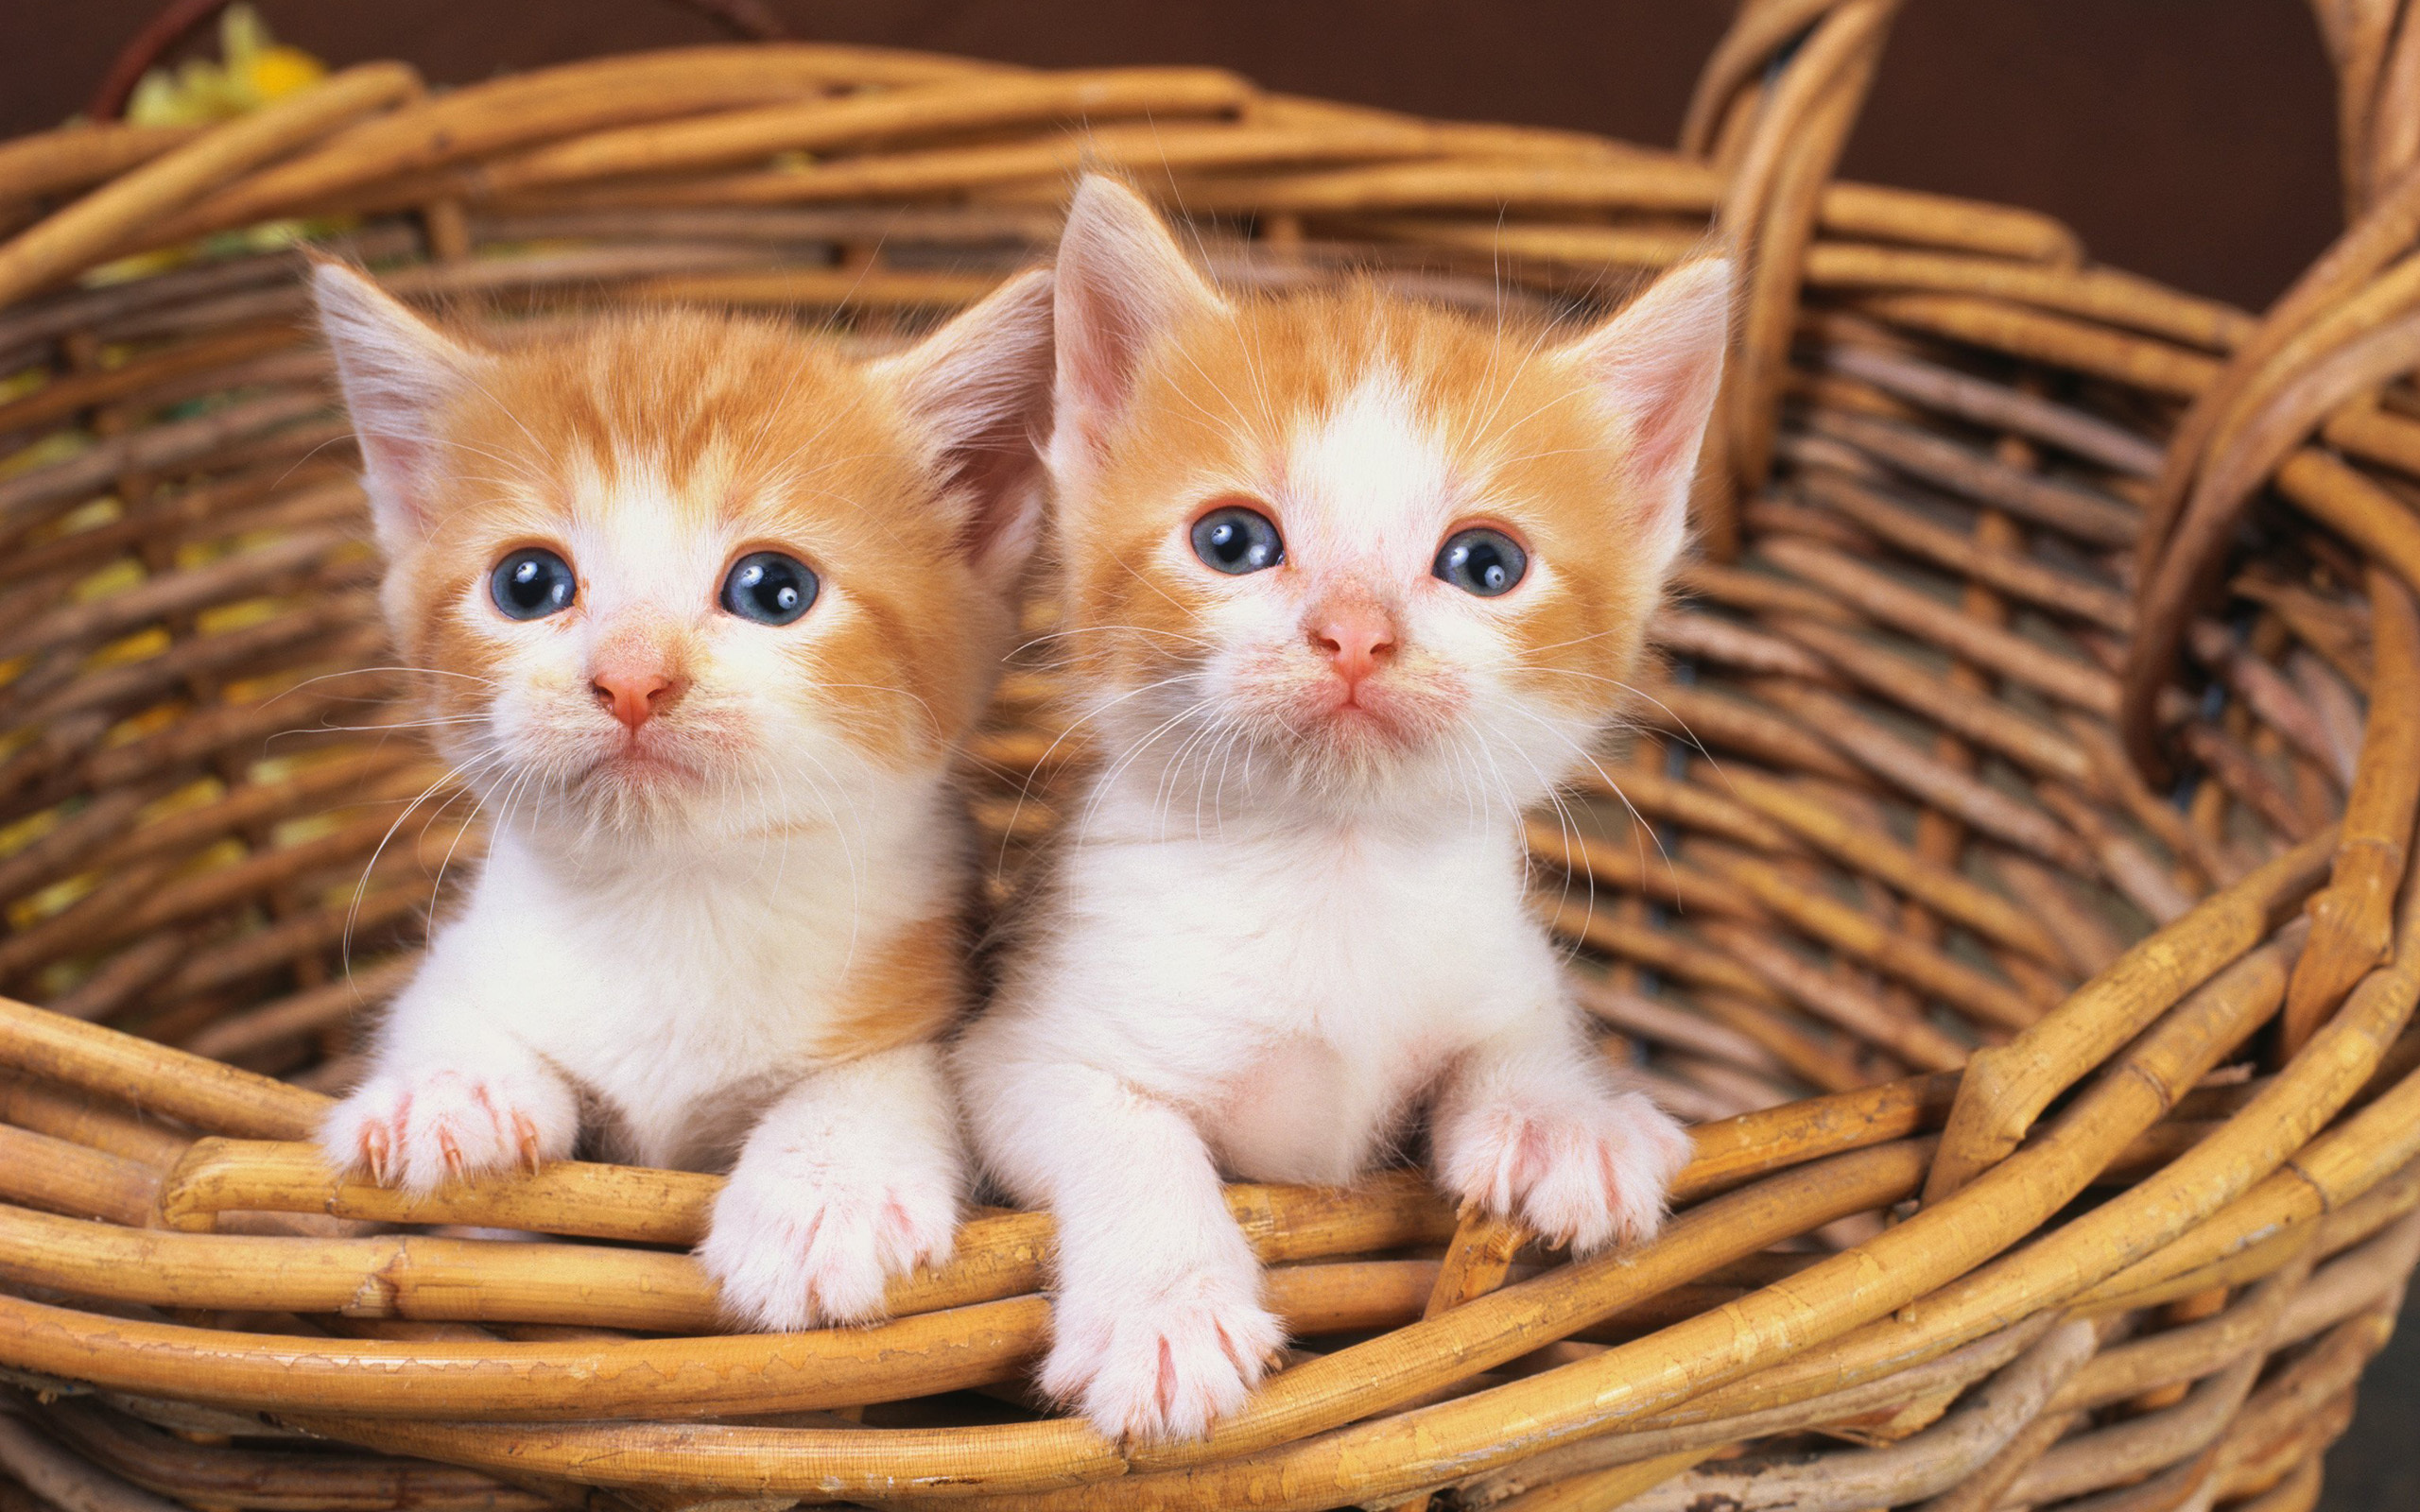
x=1656, y=367
x=979, y=388
x=398, y=373
x=1123, y=283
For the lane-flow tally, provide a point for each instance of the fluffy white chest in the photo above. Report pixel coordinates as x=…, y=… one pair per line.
x=1297, y=992
x=676, y=998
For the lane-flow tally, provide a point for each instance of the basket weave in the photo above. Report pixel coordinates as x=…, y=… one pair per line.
x=2036, y=810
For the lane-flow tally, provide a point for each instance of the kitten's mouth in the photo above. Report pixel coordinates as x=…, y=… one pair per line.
x=645, y=759
x=1365, y=712
x=1389, y=715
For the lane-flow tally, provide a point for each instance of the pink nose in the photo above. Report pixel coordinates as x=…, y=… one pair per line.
x=1354, y=638
x=635, y=694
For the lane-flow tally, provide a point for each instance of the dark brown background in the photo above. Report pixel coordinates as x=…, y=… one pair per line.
x=2186, y=139
x=2189, y=139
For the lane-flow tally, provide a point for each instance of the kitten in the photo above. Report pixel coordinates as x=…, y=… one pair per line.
x=700, y=609
x=1347, y=582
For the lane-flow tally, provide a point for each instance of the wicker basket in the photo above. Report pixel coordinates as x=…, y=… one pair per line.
x=2030, y=946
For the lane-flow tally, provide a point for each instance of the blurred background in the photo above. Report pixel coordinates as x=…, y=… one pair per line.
x=2187, y=140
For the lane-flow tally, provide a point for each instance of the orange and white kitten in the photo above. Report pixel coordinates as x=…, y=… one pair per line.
x=1347, y=582
x=700, y=609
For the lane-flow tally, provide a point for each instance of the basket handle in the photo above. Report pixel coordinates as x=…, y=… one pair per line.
x=2377, y=56
x=750, y=19
x=1773, y=107
x=2348, y=325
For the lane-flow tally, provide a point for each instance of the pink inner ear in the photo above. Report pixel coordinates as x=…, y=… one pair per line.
x=404, y=465
x=1104, y=328
x=1669, y=423
x=1659, y=366
x=403, y=455
x=397, y=372
x=1123, y=281
x=980, y=386
x=998, y=477
x=1114, y=317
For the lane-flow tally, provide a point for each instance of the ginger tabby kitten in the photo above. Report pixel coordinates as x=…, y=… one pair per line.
x=701, y=607
x=1347, y=581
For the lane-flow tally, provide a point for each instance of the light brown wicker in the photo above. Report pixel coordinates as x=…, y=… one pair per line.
x=2015, y=893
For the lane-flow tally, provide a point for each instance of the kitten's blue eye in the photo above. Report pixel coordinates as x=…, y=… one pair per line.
x=1482, y=561
x=532, y=583
x=1237, y=540
x=769, y=588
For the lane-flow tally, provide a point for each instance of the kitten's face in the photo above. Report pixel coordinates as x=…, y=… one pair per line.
x=1371, y=553
x=686, y=575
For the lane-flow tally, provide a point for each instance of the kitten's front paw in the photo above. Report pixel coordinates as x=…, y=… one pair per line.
x=799, y=1243
x=1587, y=1176
x=419, y=1132
x=1145, y=1364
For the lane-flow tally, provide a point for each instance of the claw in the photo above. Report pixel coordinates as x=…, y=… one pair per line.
x=1235, y=1356
x=524, y=1134
x=452, y=1152
x=375, y=1152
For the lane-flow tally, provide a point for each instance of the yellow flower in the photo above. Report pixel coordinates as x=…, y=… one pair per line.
x=254, y=70
x=282, y=70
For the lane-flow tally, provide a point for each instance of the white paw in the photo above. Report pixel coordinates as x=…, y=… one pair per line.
x=421, y=1131
x=799, y=1243
x=1588, y=1176
x=1148, y=1363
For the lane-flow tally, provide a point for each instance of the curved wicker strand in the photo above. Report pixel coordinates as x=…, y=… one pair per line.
x=2327, y=1175
x=2328, y=305
x=2183, y=577
x=2370, y=45
x=916, y=1355
x=1951, y=1451
x=2358, y=34
x=2005, y=1088
x=642, y=1206
x=592, y=95
x=2352, y=922
x=1759, y=35
x=105, y=220
x=205, y=1092
x=2148, y=1216
x=1767, y=217
x=1945, y=1375
x=787, y=1460
x=75, y=156
x=2394, y=136
x=737, y=136
x=2376, y=240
